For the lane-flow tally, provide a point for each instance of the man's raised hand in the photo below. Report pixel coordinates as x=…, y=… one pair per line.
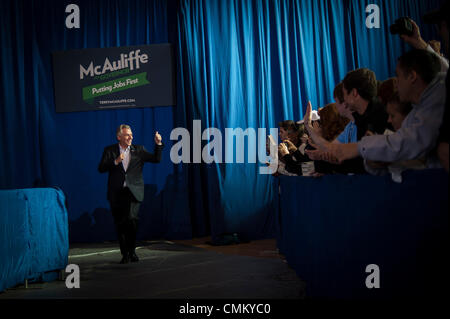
x=158, y=138
x=307, y=116
x=415, y=39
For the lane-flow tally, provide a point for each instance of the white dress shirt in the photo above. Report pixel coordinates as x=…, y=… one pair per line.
x=125, y=161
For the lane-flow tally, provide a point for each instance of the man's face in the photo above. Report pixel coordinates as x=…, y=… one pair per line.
x=125, y=137
x=404, y=85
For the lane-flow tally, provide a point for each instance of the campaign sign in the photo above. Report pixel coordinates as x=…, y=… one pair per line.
x=120, y=77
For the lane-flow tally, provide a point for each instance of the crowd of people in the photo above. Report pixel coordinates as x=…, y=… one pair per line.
x=378, y=127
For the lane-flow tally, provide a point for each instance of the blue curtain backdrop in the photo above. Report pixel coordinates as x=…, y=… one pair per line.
x=240, y=63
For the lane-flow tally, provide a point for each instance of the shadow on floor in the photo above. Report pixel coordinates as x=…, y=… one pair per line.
x=173, y=270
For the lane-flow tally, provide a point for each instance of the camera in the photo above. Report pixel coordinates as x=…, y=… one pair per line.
x=401, y=26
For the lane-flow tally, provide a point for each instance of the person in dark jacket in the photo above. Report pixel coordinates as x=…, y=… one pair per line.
x=124, y=163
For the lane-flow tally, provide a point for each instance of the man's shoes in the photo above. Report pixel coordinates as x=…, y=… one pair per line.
x=134, y=258
x=125, y=259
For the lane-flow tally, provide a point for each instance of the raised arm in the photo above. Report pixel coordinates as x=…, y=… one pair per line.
x=416, y=41
x=312, y=132
x=156, y=156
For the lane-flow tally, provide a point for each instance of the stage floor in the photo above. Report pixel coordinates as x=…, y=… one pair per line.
x=174, y=270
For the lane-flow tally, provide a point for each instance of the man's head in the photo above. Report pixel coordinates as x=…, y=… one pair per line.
x=359, y=88
x=124, y=135
x=415, y=70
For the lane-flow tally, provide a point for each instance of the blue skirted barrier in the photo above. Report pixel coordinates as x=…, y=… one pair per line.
x=34, y=241
x=331, y=228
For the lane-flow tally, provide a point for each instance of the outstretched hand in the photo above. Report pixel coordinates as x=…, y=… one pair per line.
x=158, y=138
x=344, y=152
x=335, y=153
x=307, y=116
x=319, y=155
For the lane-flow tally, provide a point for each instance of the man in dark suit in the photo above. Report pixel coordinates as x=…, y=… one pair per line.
x=124, y=163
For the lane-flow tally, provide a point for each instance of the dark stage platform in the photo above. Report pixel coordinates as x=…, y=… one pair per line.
x=174, y=270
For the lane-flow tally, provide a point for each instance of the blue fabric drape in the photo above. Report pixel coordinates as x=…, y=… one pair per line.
x=240, y=63
x=45, y=148
x=250, y=64
x=33, y=235
x=330, y=239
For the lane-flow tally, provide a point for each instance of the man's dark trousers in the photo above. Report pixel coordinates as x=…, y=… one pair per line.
x=125, y=210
